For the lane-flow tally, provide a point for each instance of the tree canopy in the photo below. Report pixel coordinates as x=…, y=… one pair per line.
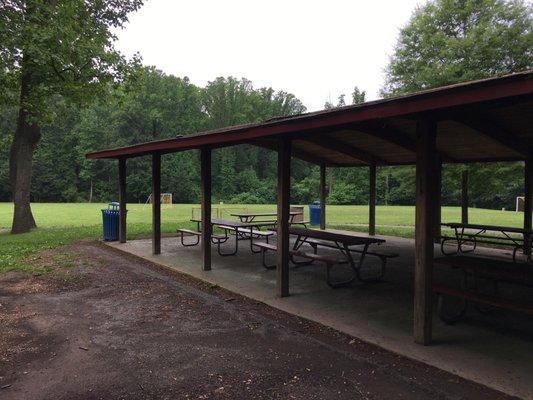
x=450, y=41
x=50, y=48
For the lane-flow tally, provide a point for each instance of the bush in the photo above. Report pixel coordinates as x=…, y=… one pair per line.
x=246, y=198
x=342, y=193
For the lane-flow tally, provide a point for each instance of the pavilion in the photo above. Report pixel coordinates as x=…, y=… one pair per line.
x=488, y=120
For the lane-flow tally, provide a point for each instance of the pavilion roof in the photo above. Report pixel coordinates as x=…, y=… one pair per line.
x=484, y=120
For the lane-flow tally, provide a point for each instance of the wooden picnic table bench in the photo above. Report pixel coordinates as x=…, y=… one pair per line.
x=251, y=217
x=473, y=234
x=343, y=242
x=475, y=270
x=216, y=239
x=328, y=261
x=241, y=230
x=346, y=243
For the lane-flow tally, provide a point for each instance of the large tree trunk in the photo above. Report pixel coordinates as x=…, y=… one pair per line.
x=25, y=141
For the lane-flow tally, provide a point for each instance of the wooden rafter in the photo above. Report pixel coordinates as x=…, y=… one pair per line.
x=297, y=153
x=492, y=129
x=396, y=136
x=339, y=146
x=389, y=134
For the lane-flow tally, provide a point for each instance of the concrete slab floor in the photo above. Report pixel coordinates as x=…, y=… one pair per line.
x=495, y=350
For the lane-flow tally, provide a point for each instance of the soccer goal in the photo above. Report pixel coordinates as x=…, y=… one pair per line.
x=166, y=200
x=519, y=203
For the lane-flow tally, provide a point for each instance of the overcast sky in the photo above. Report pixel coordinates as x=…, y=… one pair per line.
x=313, y=49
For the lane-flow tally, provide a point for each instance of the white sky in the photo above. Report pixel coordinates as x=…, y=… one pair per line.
x=313, y=49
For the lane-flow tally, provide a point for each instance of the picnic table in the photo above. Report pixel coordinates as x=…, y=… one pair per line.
x=481, y=276
x=241, y=230
x=251, y=216
x=345, y=243
x=477, y=233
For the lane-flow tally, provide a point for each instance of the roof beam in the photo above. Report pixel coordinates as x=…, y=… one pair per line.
x=342, y=147
x=395, y=136
x=297, y=153
x=389, y=134
x=490, y=128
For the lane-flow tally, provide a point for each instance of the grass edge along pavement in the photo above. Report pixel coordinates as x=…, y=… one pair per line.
x=17, y=252
x=57, y=225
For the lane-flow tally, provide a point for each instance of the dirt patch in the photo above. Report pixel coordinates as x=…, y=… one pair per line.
x=111, y=327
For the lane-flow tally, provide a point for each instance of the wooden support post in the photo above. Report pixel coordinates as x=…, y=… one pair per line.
x=122, y=200
x=426, y=204
x=464, y=197
x=323, y=196
x=438, y=198
x=156, y=203
x=207, y=228
x=372, y=200
x=284, y=196
x=528, y=193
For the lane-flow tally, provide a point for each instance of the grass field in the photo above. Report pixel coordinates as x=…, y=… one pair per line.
x=63, y=223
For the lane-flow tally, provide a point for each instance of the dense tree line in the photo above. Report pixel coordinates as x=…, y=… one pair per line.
x=153, y=105
x=149, y=106
x=446, y=41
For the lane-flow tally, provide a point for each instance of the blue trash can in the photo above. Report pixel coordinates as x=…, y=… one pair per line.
x=314, y=212
x=110, y=220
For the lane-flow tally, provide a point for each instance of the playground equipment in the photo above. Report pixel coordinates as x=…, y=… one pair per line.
x=166, y=200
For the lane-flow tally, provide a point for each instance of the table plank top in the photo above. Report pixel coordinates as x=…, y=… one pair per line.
x=344, y=238
x=261, y=214
x=494, y=228
x=228, y=222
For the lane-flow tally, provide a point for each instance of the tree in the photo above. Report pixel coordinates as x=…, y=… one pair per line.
x=450, y=41
x=358, y=96
x=50, y=47
x=328, y=105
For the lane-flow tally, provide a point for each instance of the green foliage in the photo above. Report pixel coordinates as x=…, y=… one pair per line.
x=358, y=96
x=343, y=193
x=147, y=104
x=305, y=191
x=59, y=47
x=450, y=41
x=151, y=105
x=7, y=127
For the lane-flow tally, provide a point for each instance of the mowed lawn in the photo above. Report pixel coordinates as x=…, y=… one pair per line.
x=63, y=223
